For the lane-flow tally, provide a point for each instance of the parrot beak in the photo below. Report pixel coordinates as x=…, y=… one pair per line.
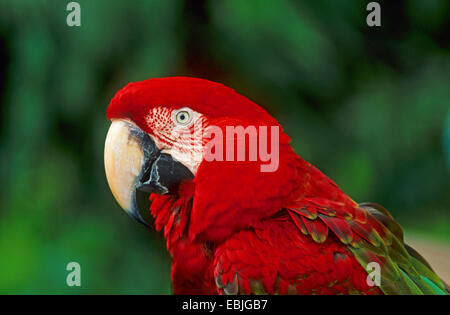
x=134, y=163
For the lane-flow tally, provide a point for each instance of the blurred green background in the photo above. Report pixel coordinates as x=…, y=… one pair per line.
x=369, y=106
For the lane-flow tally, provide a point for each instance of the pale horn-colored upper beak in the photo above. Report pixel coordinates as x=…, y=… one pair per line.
x=133, y=162
x=126, y=153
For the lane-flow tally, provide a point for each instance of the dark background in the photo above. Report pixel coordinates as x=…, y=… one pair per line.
x=368, y=106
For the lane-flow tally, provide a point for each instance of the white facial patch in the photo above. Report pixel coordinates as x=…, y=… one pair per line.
x=179, y=133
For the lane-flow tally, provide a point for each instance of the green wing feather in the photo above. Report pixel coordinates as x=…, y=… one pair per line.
x=372, y=235
x=404, y=271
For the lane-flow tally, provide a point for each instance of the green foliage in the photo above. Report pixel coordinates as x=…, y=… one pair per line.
x=367, y=106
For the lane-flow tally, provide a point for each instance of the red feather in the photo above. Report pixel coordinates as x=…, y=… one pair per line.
x=235, y=229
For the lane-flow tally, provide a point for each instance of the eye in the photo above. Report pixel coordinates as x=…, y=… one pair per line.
x=183, y=117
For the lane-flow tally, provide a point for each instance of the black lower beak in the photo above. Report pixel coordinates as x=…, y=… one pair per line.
x=160, y=175
x=135, y=168
x=164, y=175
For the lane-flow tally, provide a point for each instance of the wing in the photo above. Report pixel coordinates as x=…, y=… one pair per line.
x=372, y=235
x=275, y=258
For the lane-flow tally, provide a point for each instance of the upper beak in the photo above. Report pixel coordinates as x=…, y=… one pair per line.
x=133, y=162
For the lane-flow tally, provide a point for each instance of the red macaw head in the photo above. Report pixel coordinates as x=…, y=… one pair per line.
x=161, y=137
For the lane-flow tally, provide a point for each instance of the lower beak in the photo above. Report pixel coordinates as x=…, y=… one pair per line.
x=133, y=162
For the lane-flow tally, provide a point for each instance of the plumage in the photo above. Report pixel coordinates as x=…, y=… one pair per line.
x=236, y=230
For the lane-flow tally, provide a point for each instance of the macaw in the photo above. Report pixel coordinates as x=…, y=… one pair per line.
x=231, y=226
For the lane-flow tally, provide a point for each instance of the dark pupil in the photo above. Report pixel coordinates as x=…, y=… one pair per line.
x=182, y=117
